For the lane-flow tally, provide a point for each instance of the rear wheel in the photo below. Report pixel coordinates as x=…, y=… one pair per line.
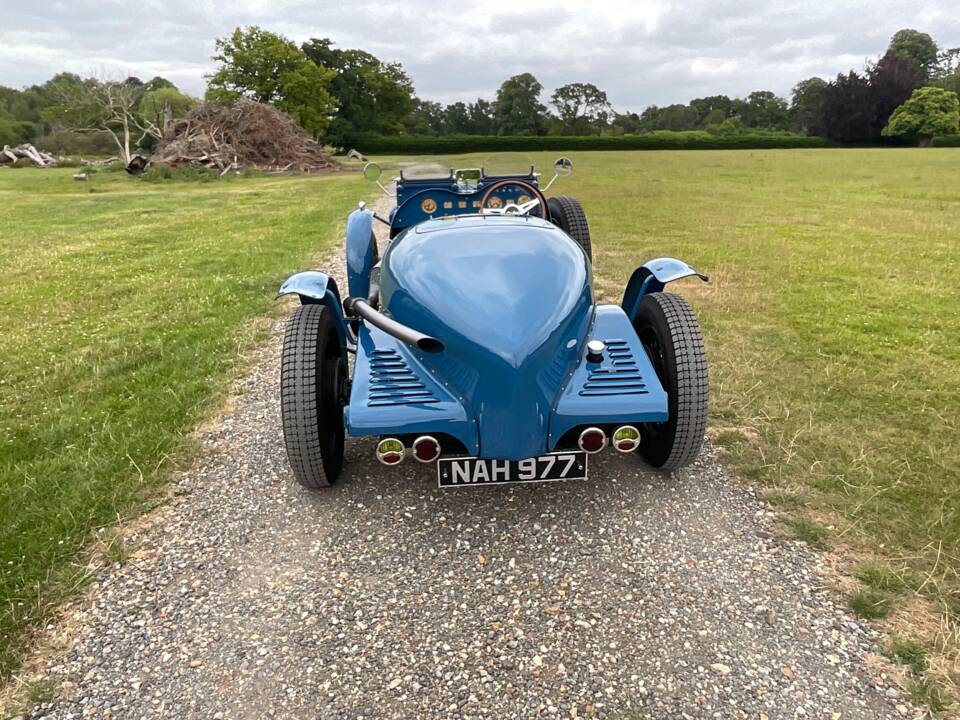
x=312, y=380
x=671, y=336
x=567, y=214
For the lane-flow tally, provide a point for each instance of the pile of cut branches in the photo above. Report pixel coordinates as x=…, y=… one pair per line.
x=246, y=134
x=27, y=152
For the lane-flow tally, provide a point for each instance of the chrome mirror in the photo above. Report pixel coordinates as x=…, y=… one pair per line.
x=562, y=166
x=373, y=172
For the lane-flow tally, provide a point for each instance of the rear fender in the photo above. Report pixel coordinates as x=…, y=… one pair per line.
x=319, y=288
x=653, y=277
x=360, y=252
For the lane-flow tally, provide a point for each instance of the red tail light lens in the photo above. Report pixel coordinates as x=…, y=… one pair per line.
x=592, y=440
x=426, y=449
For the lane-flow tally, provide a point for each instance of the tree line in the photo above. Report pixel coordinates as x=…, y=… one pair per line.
x=343, y=95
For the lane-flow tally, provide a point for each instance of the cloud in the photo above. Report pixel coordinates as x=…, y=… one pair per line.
x=641, y=52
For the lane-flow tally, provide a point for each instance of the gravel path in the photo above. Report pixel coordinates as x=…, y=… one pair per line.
x=633, y=594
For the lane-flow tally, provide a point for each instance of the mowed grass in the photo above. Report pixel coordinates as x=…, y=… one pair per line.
x=833, y=327
x=124, y=306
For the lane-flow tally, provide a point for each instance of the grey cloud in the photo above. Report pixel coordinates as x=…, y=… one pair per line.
x=641, y=53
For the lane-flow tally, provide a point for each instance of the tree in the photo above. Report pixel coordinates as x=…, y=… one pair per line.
x=846, y=109
x=930, y=111
x=371, y=96
x=269, y=68
x=710, y=106
x=628, y=123
x=892, y=80
x=160, y=106
x=517, y=109
x=426, y=118
x=649, y=119
x=456, y=119
x=581, y=107
x=950, y=82
x=763, y=109
x=95, y=105
x=482, y=120
x=917, y=47
x=805, y=104
x=713, y=119
x=677, y=117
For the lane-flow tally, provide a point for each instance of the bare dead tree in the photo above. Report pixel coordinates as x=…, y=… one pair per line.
x=100, y=105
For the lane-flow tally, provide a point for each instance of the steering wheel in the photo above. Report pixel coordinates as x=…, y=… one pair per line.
x=513, y=208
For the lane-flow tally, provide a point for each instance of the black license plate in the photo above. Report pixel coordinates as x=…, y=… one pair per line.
x=459, y=472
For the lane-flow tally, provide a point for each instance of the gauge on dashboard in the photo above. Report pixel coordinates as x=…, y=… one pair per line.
x=523, y=199
x=429, y=206
x=494, y=202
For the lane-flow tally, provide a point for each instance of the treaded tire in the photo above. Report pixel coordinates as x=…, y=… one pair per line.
x=670, y=334
x=567, y=214
x=312, y=372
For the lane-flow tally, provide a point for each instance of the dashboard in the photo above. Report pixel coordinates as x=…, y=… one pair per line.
x=416, y=204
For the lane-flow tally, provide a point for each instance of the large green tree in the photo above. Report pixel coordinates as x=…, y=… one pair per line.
x=583, y=108
x=517, y=109
x=371, y=96
x=711, y=106
x=269, y=68
x=763, y=109
x=918, y=47
x=805, y=104
x=482, y=120
x=930, y=111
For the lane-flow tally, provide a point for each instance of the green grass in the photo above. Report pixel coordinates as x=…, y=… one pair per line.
x=124, y=308
x=870, y=604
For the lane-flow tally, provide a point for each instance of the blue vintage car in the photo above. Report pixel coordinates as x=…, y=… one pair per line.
x=478, y=344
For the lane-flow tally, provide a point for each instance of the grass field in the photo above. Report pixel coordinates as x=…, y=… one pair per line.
x=123, y=307
x=833, y=328
x=832, y=319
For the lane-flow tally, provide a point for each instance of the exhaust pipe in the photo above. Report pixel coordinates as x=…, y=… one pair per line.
x=358, y=306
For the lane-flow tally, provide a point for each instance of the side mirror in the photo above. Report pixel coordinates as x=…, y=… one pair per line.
x=562, y=166
x=372, y=171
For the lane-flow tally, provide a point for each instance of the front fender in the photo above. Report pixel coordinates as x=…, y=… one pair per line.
x=652, y=277
x=317, y=287
x=360, y=252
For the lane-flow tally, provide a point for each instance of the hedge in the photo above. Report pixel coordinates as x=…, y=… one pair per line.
x=662, y=140
x=947, y=141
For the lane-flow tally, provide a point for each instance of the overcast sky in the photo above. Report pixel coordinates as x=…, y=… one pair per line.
x=643, y=52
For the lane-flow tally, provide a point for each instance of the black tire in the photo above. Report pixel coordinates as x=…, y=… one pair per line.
x=671, y=336
x=312, y=377
x=567, y=214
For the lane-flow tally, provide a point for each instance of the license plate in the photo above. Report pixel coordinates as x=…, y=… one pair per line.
x=458, y=472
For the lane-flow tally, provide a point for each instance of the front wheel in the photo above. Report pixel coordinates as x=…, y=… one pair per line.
x=567, y=214
x=671, y=336
x=312, y=379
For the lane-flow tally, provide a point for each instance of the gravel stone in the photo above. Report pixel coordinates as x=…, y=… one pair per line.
x=634, y=593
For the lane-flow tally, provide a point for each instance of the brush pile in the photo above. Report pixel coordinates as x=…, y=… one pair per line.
x=246, y=134
x=26, y=152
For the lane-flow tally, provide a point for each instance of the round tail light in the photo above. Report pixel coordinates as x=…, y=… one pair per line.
x=426, y=449
x=626, y=438
x=390, y=451
x=592, y=440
